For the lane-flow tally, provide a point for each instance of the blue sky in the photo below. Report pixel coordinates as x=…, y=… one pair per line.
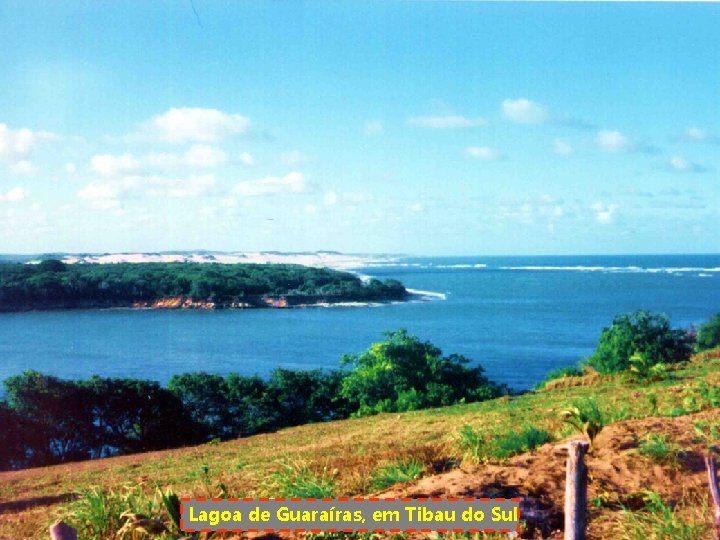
x=405, y=127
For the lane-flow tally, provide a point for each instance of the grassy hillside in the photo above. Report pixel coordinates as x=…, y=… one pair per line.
x=664, y=425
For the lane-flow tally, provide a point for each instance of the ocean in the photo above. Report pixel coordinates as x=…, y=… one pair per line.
x=518, y=317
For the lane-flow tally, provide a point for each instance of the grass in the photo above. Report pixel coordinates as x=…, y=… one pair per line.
x=296, y=479
x=499, y=447
x=660, y=521
x=342, y=457
x=396, y=473
x=657, y=447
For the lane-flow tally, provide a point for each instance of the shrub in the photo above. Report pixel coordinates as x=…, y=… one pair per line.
x=708, y=336
x=648, y=334
x=404, y=373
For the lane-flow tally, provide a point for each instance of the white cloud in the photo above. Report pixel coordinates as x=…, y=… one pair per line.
x=604, y=213
x=106, y=194
x=70, y=168
x=293, y=182
x=111, y=165
x=311, y=209
x=373, y=127
x=246, y=158
x=100, y=191
x=182, y=188
x=484, y=153
x=203, y=156
x=294, y=157
x=23, y=167
x=188, y=124
x=15, y=194
x=696, y=134
x=523, y=111
x=612, y=141
x=682, y=165
x=17, y=143
x=446, y=122
x=562, y=148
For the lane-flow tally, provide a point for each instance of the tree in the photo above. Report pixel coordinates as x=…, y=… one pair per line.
x=708, y=336
x=640, y=332
x=404, y=373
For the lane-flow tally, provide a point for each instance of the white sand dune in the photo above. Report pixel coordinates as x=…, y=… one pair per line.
x=318, y=259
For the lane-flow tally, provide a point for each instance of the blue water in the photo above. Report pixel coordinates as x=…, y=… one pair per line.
x=519, y=317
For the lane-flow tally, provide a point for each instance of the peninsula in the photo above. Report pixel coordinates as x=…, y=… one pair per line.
x=54, y=284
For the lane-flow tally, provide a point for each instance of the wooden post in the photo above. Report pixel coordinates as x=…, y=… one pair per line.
x=576, y=491
x=62, y=531
x=711, y=467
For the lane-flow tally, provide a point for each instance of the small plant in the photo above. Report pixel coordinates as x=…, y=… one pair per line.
x=657, y=447
x=645, y=369
x=296, y=479
x=396, y=473
x=707, y=432
x=660, y=521
x=99, y=513
x=653, y=401
x=471, y=443
x=586, y=418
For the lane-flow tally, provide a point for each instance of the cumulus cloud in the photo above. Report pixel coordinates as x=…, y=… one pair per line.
x=188, y=124
x=612, y=141
x=445, y=122
x=293, y=182
x=111, y=165
x=483, y=153
x=524, y=111
x=604, y=213
x=15, y=194
x=107, y=194
x=18, y=143
x=562, y=148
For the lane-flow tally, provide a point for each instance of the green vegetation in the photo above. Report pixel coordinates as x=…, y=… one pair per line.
x=568, y=371
x=660, y=521
x=406, y=374
x=657, y=447
x=52, y=284
x=585, y=417
x=396, y=473
x=641, y=332
x=500, y=446
x=296, y=479
x=50, y=420
x=708, y=336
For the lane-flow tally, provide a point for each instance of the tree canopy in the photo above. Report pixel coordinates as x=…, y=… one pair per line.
x=53, y=284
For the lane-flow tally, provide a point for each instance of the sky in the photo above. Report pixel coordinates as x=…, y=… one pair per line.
x=428, y=128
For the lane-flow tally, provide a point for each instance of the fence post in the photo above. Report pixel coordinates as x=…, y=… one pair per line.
x=711, y=467
x=576, y=491
x=62, y=531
